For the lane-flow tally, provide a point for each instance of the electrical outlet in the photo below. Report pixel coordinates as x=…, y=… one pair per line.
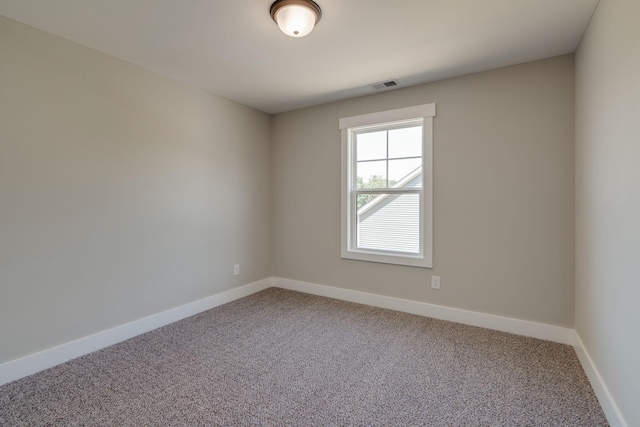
x=435, y=282
x=236, y=269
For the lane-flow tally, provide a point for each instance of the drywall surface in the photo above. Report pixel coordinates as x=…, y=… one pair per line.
x=503, y=194
x=122, y=193
x=608, y=199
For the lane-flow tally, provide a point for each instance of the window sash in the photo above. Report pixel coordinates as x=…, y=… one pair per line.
x=388, y=190
x=354, y=247
x=354, y=191
x=353, y=134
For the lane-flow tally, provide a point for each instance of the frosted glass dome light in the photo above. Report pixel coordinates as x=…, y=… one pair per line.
x=296, y=18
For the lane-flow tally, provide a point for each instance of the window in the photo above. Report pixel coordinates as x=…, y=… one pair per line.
x=387, y=186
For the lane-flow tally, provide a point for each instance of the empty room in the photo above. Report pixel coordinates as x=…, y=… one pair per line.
x=319, y=213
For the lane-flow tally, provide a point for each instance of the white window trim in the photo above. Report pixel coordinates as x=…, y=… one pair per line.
x=425, y=260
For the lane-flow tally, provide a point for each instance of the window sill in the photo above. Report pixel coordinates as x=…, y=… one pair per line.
x=406, y=260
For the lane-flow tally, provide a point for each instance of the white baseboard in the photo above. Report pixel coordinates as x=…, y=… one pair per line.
x=473, y=318
x=611, y=411
x=28, y=365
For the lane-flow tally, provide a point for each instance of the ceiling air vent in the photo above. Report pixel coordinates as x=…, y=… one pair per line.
x=385, y=85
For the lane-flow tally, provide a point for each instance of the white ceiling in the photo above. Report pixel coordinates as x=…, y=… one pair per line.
x=233, y=48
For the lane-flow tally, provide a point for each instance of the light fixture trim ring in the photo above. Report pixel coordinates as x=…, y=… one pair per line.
x=310, y=4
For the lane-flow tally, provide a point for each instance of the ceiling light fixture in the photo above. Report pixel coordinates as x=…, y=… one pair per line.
x=296, y=18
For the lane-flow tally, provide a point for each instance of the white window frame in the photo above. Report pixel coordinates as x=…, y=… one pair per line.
x=348, y=127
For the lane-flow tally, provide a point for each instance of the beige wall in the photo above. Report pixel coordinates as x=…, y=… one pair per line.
x=503, y=194
x=608, y=199
x=125, y=193
x=122, y=193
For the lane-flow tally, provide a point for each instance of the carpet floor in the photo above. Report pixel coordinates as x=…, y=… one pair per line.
x=283, y=358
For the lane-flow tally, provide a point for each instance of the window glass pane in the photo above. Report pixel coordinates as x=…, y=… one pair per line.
x=371, y=145
x=362, y=200
x=403, y=169
x=371, y=174
x=405, y=142
x=389, y=222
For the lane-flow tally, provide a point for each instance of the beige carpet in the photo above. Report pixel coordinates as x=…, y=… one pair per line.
x=282, y=358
